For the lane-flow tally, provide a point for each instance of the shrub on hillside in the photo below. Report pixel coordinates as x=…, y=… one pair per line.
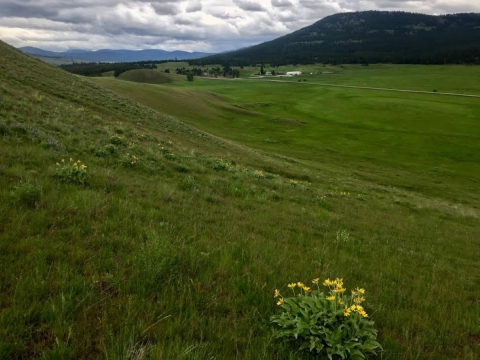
x=26, y=193
x=169, y=155
x=117, y=140
x=129, y=160
x=106, y=150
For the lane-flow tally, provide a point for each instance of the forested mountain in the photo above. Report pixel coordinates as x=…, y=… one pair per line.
x=371, y=36
x=115, y=55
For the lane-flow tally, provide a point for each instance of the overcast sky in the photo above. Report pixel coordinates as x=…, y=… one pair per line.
x=191, y=25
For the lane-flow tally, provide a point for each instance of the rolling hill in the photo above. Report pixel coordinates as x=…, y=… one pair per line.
x=371, y=37
x=146, y=76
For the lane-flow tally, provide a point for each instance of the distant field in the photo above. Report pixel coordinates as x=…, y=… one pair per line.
x=419, y=142
x=449, y=78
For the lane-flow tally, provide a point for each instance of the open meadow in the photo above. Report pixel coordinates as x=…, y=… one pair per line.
x=185, y=205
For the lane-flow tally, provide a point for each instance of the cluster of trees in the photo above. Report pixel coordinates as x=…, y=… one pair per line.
x=184, y=71
x=224, y=71
x=369, y=37
x=97, y=69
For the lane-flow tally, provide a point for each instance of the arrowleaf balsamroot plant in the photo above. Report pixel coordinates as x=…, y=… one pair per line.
x=331, y=324
x=72, y=172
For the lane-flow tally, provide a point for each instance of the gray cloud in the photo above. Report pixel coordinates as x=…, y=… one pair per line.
x=249, y=5
x=203, y=25
x=194, y=7
x=26, y=10
x=281, y=3
x=166, y=8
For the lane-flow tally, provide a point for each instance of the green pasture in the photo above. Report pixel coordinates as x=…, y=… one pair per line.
x=442, y=78
x=200, y=199
x=426, y=143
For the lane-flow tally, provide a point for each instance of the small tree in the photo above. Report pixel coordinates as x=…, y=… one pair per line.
x=262, y=70
x=190, y=76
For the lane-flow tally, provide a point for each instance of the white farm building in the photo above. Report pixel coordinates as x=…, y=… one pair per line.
x=293, y=73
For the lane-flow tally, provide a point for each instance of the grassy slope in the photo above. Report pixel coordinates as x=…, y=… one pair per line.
x=395, y=139
x=146, y=76
x=177, y=259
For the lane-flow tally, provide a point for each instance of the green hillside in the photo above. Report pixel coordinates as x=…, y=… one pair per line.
x=370, y=37
x=171, y=242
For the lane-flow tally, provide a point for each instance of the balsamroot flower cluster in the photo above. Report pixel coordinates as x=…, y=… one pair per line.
x=327, y=320
x=71, y=171
x=336, y=294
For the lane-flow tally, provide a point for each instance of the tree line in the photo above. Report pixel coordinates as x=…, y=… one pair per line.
x=97, y=69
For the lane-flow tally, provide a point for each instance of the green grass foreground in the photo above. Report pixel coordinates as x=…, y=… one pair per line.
x=172, y=244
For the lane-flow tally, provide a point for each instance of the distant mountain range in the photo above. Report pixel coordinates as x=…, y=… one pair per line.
x=107, y=55
x=370, y=36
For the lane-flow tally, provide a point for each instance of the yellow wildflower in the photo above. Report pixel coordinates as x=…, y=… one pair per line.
x=328, y=282
x=292, y=285
x=361, y=291
x=347, y=312
x=358, y=300
x=300, y=284
x=339, y=289
x=306, y=289
x=280, y=302
x=331, y=298
x=315, y=281
x=277, y=293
